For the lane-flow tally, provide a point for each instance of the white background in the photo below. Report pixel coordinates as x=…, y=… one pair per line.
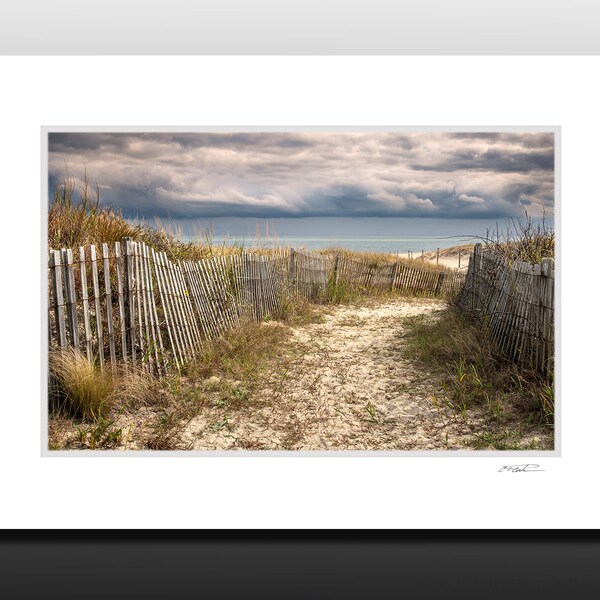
x=191, y=492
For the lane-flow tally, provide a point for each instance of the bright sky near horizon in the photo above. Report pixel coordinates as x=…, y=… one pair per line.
x=300, y=174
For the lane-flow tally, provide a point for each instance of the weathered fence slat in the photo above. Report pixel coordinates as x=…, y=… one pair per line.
x=145, y=308
x=97, y=305
x=122, y=322
x=154, y=323
x=86, y=307
x=150, y=341
x=137, y=292
x=129, y=299
x=69, y=277
x=166, y=309
x=57, y=287
x=109, y=314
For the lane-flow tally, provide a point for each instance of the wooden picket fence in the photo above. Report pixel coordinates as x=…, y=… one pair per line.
x=130, y=305
x=309, y=274
x=396, y=277
x=516, y=301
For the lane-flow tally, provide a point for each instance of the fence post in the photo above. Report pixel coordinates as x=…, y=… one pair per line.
x=292, y=273
x=476, y=266
x=67, y=256
x=477, y=257
x=547, y=305
x=336, y=260
x=394, y=271
x=57, y=289
x=439, y=284
x=437, y=257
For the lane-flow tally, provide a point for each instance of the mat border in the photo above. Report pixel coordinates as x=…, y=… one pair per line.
x=555, y=453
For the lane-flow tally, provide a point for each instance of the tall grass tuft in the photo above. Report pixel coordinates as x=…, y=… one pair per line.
x=78, y=387
x=523, y=240
x=75, y=217
x=473, y=372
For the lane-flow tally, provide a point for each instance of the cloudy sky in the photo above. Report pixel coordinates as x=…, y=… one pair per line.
x=318, y=174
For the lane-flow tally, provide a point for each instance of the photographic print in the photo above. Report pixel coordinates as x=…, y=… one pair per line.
x=298, y=290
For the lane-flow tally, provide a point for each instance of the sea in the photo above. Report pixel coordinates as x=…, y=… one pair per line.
x=374, y=234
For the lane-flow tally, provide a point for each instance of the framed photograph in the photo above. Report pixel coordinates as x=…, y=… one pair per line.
x=301, y=290
x=293, y=302
x=298, y=298
x=368, y=407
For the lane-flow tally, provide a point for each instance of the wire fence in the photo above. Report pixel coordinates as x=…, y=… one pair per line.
x=127, y=304
x=516, y=301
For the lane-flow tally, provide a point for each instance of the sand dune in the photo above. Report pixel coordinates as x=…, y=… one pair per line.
x=455, y=257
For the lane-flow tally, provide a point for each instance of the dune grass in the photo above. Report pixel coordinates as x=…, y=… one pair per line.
x=86, y=399
x=383, y=258
x=75, y=217
x=88, y=407
x=475, y=375
x=523, y=240
x=78, y=387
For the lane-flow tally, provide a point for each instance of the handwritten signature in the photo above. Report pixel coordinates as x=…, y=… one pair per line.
x=528, y=468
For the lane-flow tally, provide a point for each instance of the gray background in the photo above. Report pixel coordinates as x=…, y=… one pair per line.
x=507, y=27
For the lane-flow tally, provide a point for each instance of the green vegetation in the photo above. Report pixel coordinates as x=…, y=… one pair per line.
x=376, y=259
x=474, y=376
x=89, y=407
x=523, y=240
x=76, y=218
x=78, y=387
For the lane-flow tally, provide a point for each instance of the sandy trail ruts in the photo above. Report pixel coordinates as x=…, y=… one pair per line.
x=346, y=384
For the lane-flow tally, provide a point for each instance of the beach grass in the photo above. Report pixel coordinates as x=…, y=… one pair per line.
x=475, y=375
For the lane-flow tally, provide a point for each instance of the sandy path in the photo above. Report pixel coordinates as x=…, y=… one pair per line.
x=346, y=384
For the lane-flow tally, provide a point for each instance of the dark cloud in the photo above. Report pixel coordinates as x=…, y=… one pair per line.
x=493, y=160
x=526, y=140
x=199, y=175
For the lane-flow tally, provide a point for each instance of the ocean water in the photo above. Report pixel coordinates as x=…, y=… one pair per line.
x=376, y=234
x=366, y=244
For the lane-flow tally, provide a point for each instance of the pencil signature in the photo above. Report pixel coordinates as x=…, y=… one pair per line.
x=527, y=468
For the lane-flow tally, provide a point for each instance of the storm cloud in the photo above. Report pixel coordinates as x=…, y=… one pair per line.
x=253, y=174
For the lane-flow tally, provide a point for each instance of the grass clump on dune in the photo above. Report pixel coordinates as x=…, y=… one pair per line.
x=78, y=387
x=473, y=374
x=75, y=217
x=384, y=258
x=523, y=240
